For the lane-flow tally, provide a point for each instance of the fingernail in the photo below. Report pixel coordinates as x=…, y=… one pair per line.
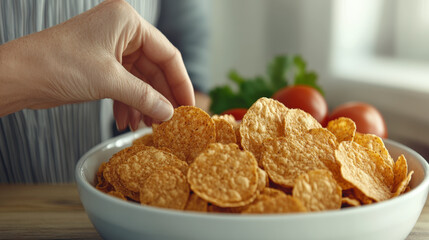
x=163, y=110
x=135, y=124
x=120, y=126
x=148, y=122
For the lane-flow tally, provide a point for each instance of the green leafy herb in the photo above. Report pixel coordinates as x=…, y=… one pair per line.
x=251, y=89
x=302, y=77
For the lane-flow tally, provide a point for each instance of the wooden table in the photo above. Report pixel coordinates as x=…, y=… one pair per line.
x=55, y=212
x=43, y=212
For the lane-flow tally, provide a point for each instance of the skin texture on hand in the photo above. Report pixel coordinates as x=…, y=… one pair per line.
x=106, y=52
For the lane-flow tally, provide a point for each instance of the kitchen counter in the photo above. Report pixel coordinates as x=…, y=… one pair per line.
x=55, y=212
x=43, y=212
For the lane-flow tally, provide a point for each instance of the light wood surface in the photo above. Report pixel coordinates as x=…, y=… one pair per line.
x=43, y=212
x=55, y=212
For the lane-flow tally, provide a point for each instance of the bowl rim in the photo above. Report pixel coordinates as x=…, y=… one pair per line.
x=84, y=183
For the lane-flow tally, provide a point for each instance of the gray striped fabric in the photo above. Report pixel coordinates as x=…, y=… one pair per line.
x=44, y=145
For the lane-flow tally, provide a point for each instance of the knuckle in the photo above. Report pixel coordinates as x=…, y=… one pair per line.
x=145, y=97
x=176, y=53
x=118, y=8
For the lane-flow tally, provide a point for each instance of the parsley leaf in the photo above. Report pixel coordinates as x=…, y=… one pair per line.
x=251, y=89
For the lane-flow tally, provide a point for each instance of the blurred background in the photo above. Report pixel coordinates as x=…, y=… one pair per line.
x=376, y=51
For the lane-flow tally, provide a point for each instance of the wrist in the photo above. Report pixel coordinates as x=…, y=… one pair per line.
x=24, y=64
x=13, y=92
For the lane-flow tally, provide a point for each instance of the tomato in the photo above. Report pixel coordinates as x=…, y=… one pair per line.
x=367, y=118
x=238, y=113
x=305, y=98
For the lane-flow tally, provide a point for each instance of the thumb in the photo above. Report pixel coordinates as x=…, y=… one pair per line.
x=134, y=92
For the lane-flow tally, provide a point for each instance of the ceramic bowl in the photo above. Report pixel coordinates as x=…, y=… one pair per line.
x=117, y=219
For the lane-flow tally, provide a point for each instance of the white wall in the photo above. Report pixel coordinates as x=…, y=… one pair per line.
x=238, y=38
x=246, y=34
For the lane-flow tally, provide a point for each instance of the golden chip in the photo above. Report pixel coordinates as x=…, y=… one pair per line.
x=262, y=179
x=356, y=194
x=365, y=169
x=224, y=175
x=374, y=143
x=278, y=204
x=285, y=158
x=263, y=120
x=235, y=124
x=349, y=199
x=363, y=199
x=110, y=171
x=403, y=186
x=276, y=160
x=400, y=170
x=123, y=155
x=196, y=204
x=401, y=176
x=117, y=194
x=325, y=138
x=297, y=121
x=343, y=128
x=287, y=190
x=187, y=133
x=265, y=194
x=167, y=188
x=349, y=202
x=227, y=117
x=146, y=140
x=237, y=135
x=100, y=177
x=270, y=192
x=134, y=171
x=216, y=209
x=318, y=190
x=407, y=189
x=224, y=131
x=102, y=184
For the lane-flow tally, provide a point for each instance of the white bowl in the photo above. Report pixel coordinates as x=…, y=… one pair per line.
x=116, y=219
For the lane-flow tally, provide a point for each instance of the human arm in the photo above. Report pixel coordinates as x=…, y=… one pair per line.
x=87, y=57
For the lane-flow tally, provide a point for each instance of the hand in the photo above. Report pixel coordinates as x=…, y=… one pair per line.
x=106, y=52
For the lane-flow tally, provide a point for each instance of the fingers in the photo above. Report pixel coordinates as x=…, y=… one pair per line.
x=155, y=77
x=135, y=118
x=131, y=91
x=120, y=112
x=126, y=116
x=162, y=53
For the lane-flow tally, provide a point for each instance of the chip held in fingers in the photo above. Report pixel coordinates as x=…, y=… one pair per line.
x=187, y=133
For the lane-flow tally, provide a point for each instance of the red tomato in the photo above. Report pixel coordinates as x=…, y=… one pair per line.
x=367, y=118
x=305, y=98
x=238, y=113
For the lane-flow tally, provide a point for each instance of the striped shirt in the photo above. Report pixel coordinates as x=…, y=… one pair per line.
x=43, y=146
